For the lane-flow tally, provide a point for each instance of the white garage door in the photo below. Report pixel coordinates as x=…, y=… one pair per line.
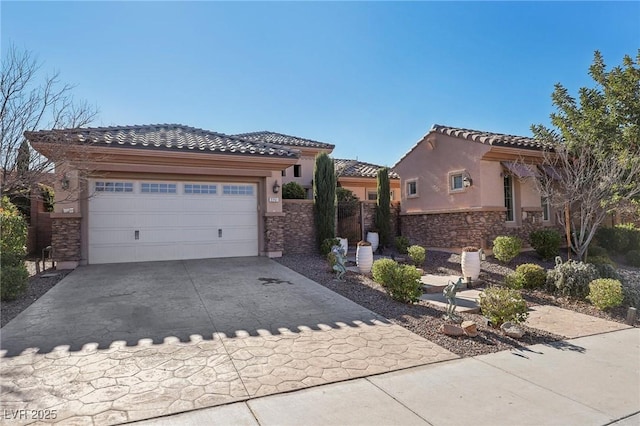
x=136, y=221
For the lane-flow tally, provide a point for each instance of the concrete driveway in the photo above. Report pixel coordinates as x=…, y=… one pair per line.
x=115, y=343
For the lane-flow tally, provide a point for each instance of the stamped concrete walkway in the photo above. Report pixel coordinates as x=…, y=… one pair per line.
x=118, y=343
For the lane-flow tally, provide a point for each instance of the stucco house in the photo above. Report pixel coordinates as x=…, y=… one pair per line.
x=465, y=187
x=361, y=178
x=302, y=171
x=166, y=191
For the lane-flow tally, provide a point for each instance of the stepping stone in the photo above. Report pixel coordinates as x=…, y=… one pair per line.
x=466, y=300
x=436, y=283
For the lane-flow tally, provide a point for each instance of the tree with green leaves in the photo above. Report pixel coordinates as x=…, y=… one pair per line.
x=293, y=191
x=383, y=207
x=594, y=160
x=324, y=195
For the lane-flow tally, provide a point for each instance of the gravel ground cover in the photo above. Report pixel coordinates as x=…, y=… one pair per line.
x=425, y=319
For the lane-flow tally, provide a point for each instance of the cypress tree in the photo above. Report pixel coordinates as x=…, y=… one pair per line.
x=383, y=207
x=324, y=196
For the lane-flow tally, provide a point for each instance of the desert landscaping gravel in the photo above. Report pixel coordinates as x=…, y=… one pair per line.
x=425, y=319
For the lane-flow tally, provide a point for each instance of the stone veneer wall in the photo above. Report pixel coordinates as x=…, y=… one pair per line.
x=274, y=233
x=456, y=230
x=369, y=217
x=298, y=227
x=65, y=239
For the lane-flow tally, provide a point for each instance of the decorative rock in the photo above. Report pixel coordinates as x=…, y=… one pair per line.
x=512, y=330
x=470, y=328
x=452, y=330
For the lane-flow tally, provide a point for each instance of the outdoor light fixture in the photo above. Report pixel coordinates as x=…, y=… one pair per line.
x=276, y=187
x=65, y=182
x=466, y=180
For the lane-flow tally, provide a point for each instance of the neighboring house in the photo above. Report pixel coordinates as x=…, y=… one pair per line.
x=465, y=187
x=302, y=171
x=361, y=178
x=164, y=192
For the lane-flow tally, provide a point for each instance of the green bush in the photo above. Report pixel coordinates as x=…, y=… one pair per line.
x=505, y=248
x=596, y=251
x=631, y=293
x=546, y=242
x=402, y=244
x=417, y=254
x=13, y=240
x=633, y=235
x=501, y=304
x=528, y=275
x=327, y=245
x=405, y=286
x=605, y=266
x=605, y=293
x=383, y=271
x=293, y=191
x=571, y=278
x=633, y=258
x=600, y=260
x=48, y=196
x=14, y=280
x=619, y=239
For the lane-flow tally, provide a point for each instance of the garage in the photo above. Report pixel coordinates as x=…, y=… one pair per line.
x=139, y=220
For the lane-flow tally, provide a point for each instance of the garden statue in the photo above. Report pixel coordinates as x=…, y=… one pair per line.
x=341, y=258
x=450, y=293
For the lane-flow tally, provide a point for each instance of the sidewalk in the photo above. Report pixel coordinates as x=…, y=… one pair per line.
x=591, y=380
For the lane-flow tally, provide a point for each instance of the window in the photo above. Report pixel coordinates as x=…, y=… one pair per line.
x=412, y=188
x=508, y=197
x=114, y=186
x=545, y=208
x=158, y=188
x=455, y=182
x=297, y=170
x=283, y=173
x=372, y=195
x=199, y=189
x=237, y=189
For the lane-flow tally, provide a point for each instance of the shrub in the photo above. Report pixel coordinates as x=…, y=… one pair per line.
x=501, y=304
x=293, y=191
x=571, y=278
x=595, y=250
x=546, y=242
x=405, y=286
x=631, y=293
x=327, y=245
x=505, y=248
x=633, y=258
x=324, y=195
x=633, y=235
x=600, y=260
x=417, y=254
x=48, y=197
x=402, y=244
x=383, y=271
x=605, y=293
x=528, y=275
x=14, y=280
x=619, y=239
x=605, y=266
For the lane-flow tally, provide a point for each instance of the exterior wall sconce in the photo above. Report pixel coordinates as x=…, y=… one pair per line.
x=276, y=187
x=64, y=182
x=467, y=181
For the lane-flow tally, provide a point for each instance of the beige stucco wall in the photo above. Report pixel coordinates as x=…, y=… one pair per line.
x=307, y=163
x=491, y=184
x=360, y=189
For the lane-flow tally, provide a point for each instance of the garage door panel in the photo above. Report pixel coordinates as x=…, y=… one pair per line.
x=172, y=226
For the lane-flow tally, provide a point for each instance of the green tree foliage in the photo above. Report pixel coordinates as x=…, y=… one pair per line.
x=348, y=201
x=596, y=149
x=383, y=207
x=13, y=239
x=324, y=195
x=293, y=191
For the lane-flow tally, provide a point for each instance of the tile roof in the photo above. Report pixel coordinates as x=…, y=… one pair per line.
x=355, y=168
x=286, y=140
x=491, y=138
x=163, y=137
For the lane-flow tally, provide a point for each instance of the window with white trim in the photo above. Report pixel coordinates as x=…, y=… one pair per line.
x=103, y=186
x=456, y=182
x=158, y=188
x=237, y=189
x=196, y=188
x=412, y=188
x=546, y=213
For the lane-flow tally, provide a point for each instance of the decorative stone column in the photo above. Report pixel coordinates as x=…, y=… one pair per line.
x=274, y=234
x=66, y=240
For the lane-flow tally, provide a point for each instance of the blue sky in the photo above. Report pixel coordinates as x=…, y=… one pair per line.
x=371, y=78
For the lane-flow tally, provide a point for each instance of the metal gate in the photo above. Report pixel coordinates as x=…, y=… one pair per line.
x=350, y=220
